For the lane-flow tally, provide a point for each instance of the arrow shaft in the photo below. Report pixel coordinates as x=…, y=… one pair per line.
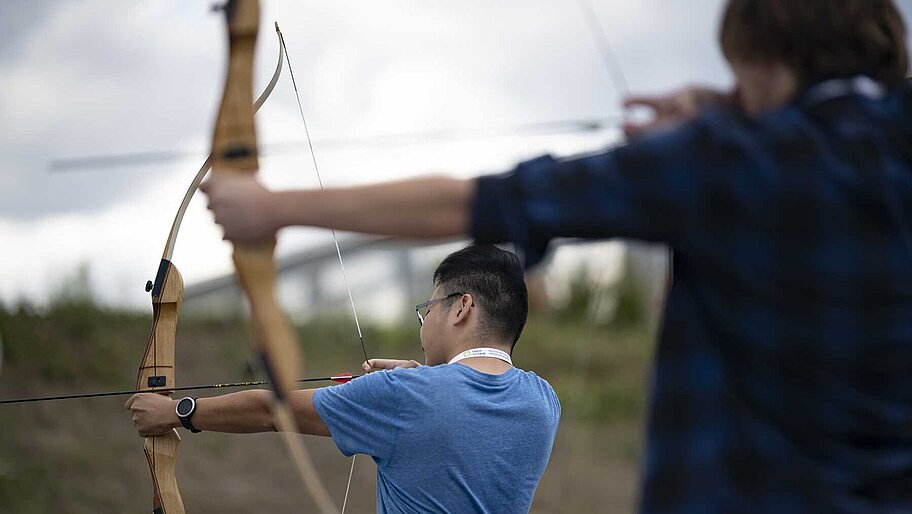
x=336, y=378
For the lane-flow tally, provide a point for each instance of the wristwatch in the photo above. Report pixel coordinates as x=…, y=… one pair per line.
x=185, y=409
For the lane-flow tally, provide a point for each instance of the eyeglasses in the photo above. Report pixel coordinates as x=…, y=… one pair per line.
x=426, y=306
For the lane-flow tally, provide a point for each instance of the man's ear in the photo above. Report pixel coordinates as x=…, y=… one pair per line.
x=466, y=303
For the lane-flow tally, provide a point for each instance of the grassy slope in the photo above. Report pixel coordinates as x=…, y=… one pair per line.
x=82, y=456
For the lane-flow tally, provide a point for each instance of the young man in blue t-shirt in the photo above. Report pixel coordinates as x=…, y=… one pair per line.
x=468, y=432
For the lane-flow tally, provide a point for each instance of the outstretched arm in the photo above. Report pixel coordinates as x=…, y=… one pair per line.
x=432, y=207
x=243, y=412
x=421, y=208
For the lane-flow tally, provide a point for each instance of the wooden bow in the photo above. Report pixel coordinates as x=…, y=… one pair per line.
x=234, y=150
x=156, y=371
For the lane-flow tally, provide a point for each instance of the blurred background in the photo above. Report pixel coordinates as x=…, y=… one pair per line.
x=106, y=111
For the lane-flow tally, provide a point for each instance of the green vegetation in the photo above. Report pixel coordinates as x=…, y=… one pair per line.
x=83, y=456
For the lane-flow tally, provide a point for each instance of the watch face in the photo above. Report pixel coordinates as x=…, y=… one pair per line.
x=184, y=406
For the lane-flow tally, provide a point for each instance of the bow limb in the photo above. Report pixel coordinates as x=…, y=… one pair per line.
x=234, y=151
x=156, y=371
x=204, y=169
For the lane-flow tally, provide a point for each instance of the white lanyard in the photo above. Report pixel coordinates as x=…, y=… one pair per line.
x=483, y=352
x=860, y=85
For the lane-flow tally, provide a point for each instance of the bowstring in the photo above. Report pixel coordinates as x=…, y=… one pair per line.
x=613, y=66
x=351, y=299
x=603, y=44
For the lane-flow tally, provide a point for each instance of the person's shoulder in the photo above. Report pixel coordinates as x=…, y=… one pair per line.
x=409, y=377
x=543, y=388
x=391, y=383
x=532, y=379
x=423, y=384
x=531, y=375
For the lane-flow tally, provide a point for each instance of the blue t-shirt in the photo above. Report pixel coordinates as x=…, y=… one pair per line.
x=447, y=438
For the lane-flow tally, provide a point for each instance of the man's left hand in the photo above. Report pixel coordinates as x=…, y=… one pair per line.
x=244, y=208
x=153, y=414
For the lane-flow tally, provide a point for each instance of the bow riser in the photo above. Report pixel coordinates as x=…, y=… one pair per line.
x=157, y=372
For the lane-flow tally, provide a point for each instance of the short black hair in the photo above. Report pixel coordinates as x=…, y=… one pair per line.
x=494, y=277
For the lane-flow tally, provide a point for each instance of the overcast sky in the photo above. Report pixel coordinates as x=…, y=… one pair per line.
x=103, y=77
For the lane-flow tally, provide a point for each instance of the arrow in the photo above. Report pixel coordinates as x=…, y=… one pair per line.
x=341, y=378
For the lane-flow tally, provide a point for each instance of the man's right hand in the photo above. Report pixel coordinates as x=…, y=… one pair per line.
x=674, y=109
x=380, y=364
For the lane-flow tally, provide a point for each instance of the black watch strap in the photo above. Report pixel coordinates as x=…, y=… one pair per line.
x=185, y=418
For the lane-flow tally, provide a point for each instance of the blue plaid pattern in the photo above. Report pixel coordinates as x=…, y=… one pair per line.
x=783, y=374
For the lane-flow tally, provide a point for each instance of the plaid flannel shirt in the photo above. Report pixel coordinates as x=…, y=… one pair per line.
x=782, y=380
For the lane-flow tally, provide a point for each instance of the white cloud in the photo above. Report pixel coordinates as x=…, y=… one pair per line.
x=98, y=77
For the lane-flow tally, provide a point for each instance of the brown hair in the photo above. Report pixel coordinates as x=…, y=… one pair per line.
x=818, y=39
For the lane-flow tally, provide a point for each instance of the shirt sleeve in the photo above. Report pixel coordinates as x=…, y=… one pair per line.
x=364, y=415
x=646, y=190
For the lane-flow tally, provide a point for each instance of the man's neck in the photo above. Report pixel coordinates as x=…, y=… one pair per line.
x=491, y=365
x=487, y=365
